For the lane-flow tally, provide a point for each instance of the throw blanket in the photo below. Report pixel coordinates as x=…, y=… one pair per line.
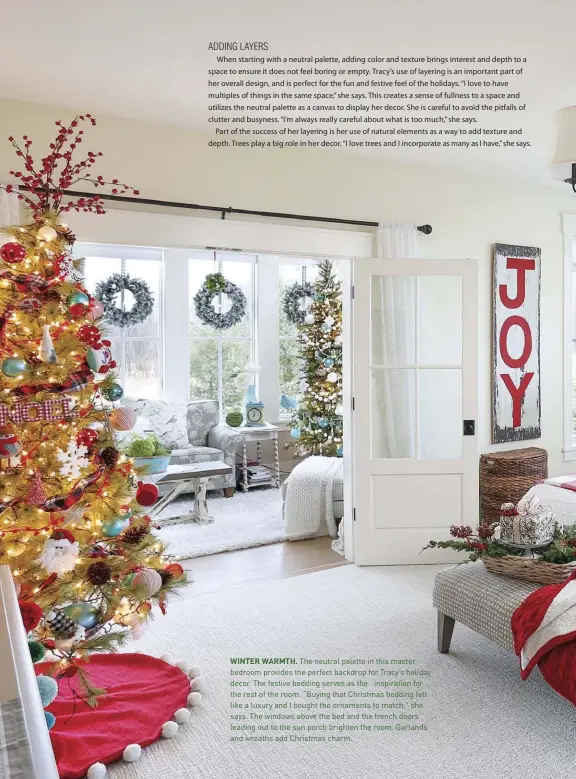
x=307, y=496
x=544, y=628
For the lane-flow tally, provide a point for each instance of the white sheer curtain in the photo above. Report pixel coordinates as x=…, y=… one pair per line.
x=393, y=344
x=9, y=208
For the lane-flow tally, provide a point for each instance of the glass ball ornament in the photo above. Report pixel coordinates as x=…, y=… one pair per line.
x=295, y=433
x=12, y=252
x=14, y=366
x=113, y=527
x=309, y=319
x=339, y=451
x=323, y=422
x=329, y=362
x=46, y=233
x=123, y=419
x=84, y=614
x=113, y=392
x=77, y=303
x=332, y=377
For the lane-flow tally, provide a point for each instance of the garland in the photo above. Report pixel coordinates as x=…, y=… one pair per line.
x=216, y=284
x=292, y=301
x=106, y=292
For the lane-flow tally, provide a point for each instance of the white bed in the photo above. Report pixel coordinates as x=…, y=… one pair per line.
x=560, y=500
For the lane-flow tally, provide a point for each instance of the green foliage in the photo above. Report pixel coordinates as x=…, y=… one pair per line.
x=148, y=445
x=215, y=282
x=234, y=418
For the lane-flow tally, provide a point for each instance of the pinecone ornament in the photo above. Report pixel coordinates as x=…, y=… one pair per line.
x=166, y=576
x=98, y=573
x=61, y=625
x=110, y=455
x=134, y=534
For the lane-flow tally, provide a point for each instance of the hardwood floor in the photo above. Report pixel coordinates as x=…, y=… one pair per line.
x=261, y=563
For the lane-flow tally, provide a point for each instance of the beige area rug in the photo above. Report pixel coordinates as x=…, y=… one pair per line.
x=484, y=722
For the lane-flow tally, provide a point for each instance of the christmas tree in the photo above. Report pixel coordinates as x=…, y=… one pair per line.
x=317, y=422
x=73, y=529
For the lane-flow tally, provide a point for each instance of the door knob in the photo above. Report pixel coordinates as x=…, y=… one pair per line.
x=469, y=427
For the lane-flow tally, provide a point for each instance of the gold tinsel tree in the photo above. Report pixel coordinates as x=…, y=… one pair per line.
x=73, y=527
x=317, y=422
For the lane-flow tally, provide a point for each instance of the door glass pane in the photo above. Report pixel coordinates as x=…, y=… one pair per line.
x=142, y=374
x=440, y=413
x=203, y=369
x=439, y=320
x=393, y=413
x=393, y=320
x=235, y=355
x=150, y=272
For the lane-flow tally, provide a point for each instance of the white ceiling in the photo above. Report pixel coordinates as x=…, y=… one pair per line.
x=147, y=60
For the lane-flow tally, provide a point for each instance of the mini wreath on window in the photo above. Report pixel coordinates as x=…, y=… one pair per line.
x=216, y=284
x=294, y=299
x=107, y=291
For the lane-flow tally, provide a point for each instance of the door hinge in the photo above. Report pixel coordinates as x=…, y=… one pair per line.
x=354, y=514
x=353, y=404
x=352, y=291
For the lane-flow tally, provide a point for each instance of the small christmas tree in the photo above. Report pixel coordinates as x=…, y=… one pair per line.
x=73, y=528
x=317, y=422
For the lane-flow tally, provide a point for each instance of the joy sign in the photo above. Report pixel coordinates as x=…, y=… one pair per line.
x=516, y=344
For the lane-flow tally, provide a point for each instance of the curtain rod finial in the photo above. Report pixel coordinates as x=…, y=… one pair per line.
x=426, y=229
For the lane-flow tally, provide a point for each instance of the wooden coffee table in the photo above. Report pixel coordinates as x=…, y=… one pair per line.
x=187, y=478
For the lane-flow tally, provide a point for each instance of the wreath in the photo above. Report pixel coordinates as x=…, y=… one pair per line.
x=292, y=301
x=216, y=284
x=106, y=292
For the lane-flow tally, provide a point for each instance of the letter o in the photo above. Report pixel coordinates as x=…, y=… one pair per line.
x=28, y=409
x=515, y=362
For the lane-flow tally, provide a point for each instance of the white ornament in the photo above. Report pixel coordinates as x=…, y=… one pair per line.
x=74, y=513
x=47, y=351
x=198, y=684
x=65, y=644
x=338, y=339
x=96, y=771
x=47, y=233
x=309, y=319
x=339, y=411
x=182, y=716
x=132, y=753
x=303, y=385
x=329, y=321
x=73, y=460
x=59, y=555
x=333, y=377
x=252, y=367
x=194, y=699
x=183, y=665
x=194, y=671
x=167, y=659
x=169, y=729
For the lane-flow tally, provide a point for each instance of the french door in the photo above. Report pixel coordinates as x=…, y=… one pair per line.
x=415, y=387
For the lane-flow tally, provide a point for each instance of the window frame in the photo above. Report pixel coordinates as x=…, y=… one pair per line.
x=123, y=252
x=569, y=231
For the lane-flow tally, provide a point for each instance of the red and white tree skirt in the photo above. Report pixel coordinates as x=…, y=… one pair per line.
x=146, y=698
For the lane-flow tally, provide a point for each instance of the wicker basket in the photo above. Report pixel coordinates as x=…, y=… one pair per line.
x=528, y=569
x=507, y=476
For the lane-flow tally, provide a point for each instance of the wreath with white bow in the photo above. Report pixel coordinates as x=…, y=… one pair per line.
x=216, y=284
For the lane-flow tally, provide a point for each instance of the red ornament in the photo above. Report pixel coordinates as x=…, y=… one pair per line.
x=49, y=643
x=36, y=496
x=77, y=310
x=146, y=494
x=12, y=252
x=87, y=437
x=31, y=614
x=89, y=335
x=174, y=570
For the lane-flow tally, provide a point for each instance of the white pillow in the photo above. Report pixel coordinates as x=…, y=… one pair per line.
x=167, y=420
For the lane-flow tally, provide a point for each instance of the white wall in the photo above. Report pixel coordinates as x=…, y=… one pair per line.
x=468, y=214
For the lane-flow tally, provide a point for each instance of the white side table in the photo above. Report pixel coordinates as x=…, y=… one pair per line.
x=258, y=434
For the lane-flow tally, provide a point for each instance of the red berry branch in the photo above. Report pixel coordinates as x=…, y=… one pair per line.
x=47, y=181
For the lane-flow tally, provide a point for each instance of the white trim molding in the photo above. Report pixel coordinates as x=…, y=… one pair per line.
x=569, y=231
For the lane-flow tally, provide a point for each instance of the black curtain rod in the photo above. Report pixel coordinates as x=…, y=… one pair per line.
x=426, y=229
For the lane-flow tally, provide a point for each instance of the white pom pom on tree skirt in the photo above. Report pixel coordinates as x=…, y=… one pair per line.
x=167, y=659
x=132, y=753
x=198, y=684
x=169, y=729
x=96, y=771
x=194, y=671
x=182, y=716
x=194, y=699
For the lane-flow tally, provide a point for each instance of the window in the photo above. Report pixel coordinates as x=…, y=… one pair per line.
x=217, y=357
x=138, y=349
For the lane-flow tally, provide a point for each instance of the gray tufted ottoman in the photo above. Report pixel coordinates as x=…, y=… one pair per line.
x=480, y=600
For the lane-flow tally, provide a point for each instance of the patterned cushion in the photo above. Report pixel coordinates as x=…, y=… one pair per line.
x=195, y=454
x=201, y=415
x=167, y=420
x=481, y=600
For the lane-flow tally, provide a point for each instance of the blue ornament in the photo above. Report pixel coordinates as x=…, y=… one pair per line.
x=339, y=451
x=14, y=366
x=295, y=433
x=113, y=392
x=48, y=688
x=50, y=719
x=328, y=362
x=113, y=527
x=77, y=299
x=325, y=328
x=84, y=614
x=323, y=422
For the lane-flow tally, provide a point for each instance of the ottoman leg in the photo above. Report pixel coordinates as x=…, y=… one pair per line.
x=445, y=629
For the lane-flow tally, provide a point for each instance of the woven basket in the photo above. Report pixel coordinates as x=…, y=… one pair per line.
x=505, y=477
x=528, y=569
